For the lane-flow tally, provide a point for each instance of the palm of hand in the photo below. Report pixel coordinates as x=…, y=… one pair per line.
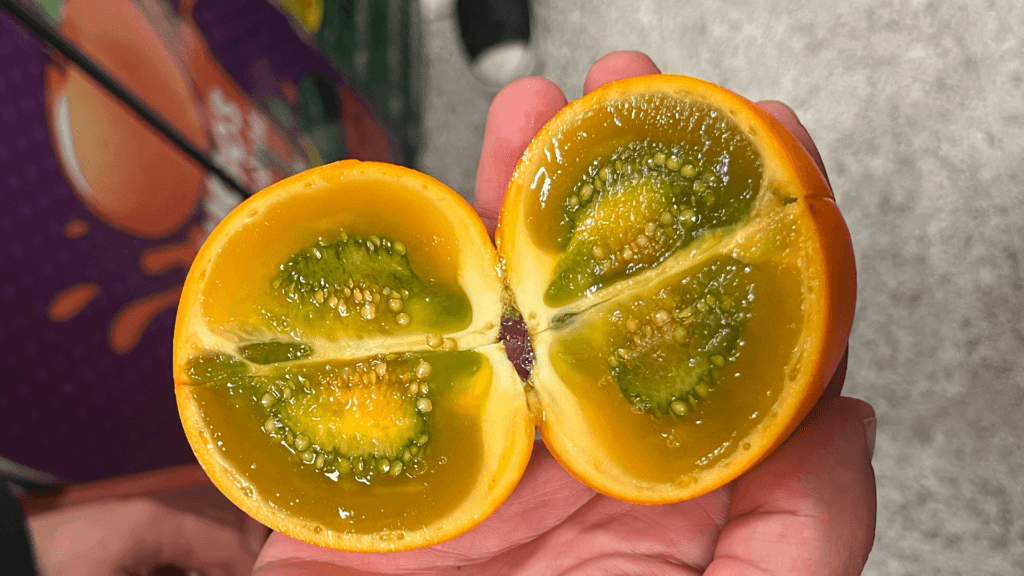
x=809, y=509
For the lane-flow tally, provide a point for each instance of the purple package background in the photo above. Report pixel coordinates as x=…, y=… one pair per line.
x=69, y=404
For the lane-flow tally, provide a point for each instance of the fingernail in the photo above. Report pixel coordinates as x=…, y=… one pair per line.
x=870, y=428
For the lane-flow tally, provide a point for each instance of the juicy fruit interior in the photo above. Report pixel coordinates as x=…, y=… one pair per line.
x=389, y=438
x=676, y=294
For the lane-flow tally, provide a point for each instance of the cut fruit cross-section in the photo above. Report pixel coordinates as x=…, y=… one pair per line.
x=684, y=274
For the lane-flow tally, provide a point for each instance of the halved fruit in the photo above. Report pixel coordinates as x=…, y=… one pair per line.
x=336, y=361
x=686, y=278
x=684, y=274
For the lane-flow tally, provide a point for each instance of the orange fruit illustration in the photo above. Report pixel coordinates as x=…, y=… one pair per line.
x=686, y=278
x=120, y=167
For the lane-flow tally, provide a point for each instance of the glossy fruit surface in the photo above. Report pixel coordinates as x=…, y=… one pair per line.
x=336, y=361
x=687, y=279
x=684, y=274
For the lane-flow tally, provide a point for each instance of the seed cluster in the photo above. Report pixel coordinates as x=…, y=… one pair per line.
x=412, y=382
x=695, y=326
x=691, y=185
x=352, y=296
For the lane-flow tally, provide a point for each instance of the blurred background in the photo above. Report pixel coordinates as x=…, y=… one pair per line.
x=915, y=106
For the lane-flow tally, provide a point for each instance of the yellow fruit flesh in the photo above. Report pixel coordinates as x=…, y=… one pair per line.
x=384, y=503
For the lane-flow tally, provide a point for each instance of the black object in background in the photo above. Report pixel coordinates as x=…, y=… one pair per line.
x=496, y=37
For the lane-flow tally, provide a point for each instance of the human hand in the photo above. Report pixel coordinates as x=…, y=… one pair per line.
x=136, y=537
x=807, y=510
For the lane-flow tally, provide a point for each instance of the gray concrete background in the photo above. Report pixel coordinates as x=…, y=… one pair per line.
x=917, y=108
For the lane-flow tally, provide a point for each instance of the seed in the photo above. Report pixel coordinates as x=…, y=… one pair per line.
x=613, y=361
x=449, y=345
x=423, y=369
x=421, y=441
x=357, y=295
x=632, y=324
x=659, y=159
x=308, y=457
x=424, y=405
x=319, y=461
x=348, y=292
x=414, y=449
x=368, y=311
x=332, y=301
x=702, y=390
x=599, y=184
x=627, y=253
x=375, y=239
x=344, y=236
x=276, y=282
x=642, y=241
x=376, y=297
x=710, y=300
x=396, y=467
x=270, y=425
x=598, y=253
x=574, y=201
x=679, y=334
x=586, y=192
x=726, y=303
x=381, y=369
x=406, y=455
x=384, y=465
x=698, y=185
x=403, y=319
x=605, y=174
x=652, y=227
x=679, y=407
x=358, y=465
x=268, y=400
x=661, y=317
x=718, y=361
x=343, y=465
x=618, y=165
x=386, y=291
x=319, y=296
x=688, y=216
x=434, y=340
x=370, y=378
x=287, y=393
x=424, y=388
x=395, y=305
x=414, y=388
x=301, y=442
x=688, y=171
x=399, y=248
x=672, y=163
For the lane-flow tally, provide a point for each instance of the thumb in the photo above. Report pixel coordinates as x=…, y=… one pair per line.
x=809, y=509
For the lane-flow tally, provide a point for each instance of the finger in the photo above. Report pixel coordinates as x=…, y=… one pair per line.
x=785, y=115
x=159, y=535
x=515, y=116
x=616, y=66
x=545, y=496
x=810, y=508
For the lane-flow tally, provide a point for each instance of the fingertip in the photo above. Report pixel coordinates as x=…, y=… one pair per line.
x=617, y=66
x=517, y=112
x=789, y=120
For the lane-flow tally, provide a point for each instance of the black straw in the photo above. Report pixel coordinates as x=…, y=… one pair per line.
x=90, y=67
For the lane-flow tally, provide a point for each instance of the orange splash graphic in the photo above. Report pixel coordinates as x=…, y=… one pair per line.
x=70, y=301
x=76, y=229
x=132, y=319
x=160, y=259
